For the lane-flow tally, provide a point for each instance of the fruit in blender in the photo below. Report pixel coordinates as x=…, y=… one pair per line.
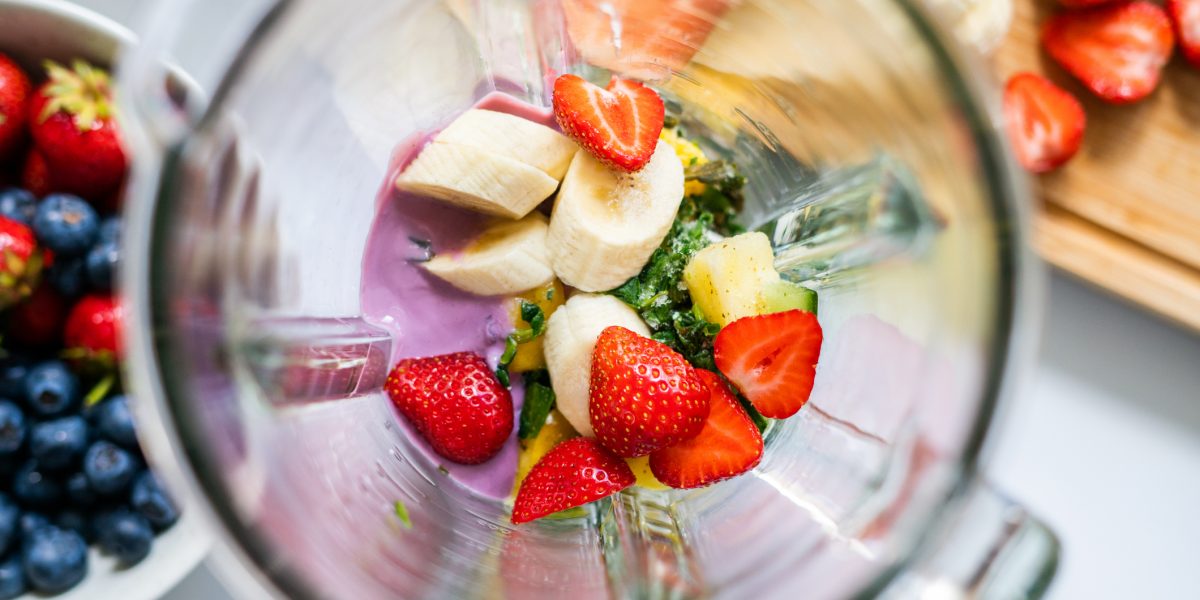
x=491, y=163
x=728, y=445
x=548, y=299
x=618, y=124
x=72, y=122
x=771, y=359
x=574, y=473
x=1117, y=51
x=736, y=278
x=455, y=402
x=606, y=224
x=1045, y=123
x=507, y=258
x=644, y=396
x=571, y=335
x=554, y=431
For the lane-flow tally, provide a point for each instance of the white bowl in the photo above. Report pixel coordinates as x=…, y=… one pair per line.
x=31, y=31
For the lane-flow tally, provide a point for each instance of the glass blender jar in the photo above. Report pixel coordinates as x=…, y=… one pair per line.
x=872, y=162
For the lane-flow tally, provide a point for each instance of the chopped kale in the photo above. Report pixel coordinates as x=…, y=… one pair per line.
x=539, y=401
x=532, y=314
x=722, y=196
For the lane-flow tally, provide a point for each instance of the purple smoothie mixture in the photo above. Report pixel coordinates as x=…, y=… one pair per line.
x=426, y=315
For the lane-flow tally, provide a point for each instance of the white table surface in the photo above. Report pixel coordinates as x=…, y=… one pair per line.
x=1103, y=443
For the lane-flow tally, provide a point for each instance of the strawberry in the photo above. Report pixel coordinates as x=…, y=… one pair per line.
x=1117, y=51
x=728, y=445
x=1045, y=122
x=35, y=175
x=21, y=264
x=574, y=473
x=643, y=395
x=772, y=359
x=455, y=402
x=1185, y=14
x=38, y=321
x=14, y=98
x=619, y=124
x=92, y=334
x=71, y=119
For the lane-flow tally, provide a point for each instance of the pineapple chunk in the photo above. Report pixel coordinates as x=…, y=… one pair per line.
x=641, y=469
x=555, y=431
x=689, y=154
x=529, y=355
x=726, y=279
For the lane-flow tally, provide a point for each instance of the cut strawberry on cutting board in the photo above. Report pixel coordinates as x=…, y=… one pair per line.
x=1185, y=14
x=1045, y=123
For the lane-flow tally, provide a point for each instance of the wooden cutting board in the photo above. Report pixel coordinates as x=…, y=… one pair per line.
x=1125, y=212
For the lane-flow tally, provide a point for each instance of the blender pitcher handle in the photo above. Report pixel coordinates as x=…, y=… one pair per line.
x=991, y=547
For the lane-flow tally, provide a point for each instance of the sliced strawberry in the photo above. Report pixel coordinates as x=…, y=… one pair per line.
x=1045, y=123
x=728, y=445
x=73, y=126
x=772, y=359
x=619, y=125
x=14, y=99
x=574, y=473
x=1117, y=51
x=643, y=395
x=1185, y=14
x=455, y=402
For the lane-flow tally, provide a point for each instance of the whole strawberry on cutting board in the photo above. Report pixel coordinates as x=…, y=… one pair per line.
x=1124, y=212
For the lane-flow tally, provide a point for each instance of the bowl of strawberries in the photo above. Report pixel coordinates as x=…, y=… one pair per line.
x=81, y=512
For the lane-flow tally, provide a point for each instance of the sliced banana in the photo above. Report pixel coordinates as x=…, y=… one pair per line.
x=570, y=338
x=606, y=224
x=477, y=179
x=507, y=258
x=519, y=139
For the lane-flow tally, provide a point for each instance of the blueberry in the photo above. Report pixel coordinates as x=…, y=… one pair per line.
x=18, y=204
x=110, y=229
x=115, y=422
x=124, y=534
x=13, y=371
x=59, y=443
x=68, y=275
x=52, y=389
x=109, y=468
x=36, y=488
x=12, y=428
x=149, y=499
x=79, y=490
x=12, y=578
x=101, y=262
x=66, y=224
x=75, y=520
x=31, y=523
x=10, y=522
x=55, y=560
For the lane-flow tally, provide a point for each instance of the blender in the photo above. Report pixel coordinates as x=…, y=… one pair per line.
x=872, y=162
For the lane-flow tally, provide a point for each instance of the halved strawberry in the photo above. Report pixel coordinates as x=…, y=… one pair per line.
x=772, y=359
x=574, y=473
x=1117, y=51
x=643, y=396
x=1185, y=14
x=455, y=402
x=1045, y=123
x=14, y=97
x=728, y=445
x=619, y=124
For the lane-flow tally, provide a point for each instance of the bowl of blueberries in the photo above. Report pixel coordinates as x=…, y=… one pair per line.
x=82, y=512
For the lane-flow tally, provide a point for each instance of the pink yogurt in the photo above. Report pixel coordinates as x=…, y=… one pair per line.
x=426, y=315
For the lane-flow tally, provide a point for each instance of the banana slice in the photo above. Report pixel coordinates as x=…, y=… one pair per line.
x=507, y=258
x=477, y=179
x=571, y=334
x=606, y=224
x=519, y=139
